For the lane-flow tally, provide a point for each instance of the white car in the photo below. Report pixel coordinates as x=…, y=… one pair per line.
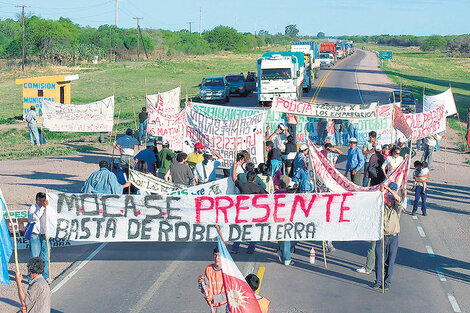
x=326, y=59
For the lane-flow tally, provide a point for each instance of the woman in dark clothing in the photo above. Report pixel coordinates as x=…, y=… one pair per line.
x=290, y=152
x=375, y=167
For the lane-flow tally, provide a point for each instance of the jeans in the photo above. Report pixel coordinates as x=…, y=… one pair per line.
x=292, y=129
x=236, y=247
x=438, y=145
x=370, y=262
x=346, y=138
x=38, y=248
x=142, y=131
x=353, y=130
x=427, y=155
x=338, y=135
x=419, y=193
x=391, y=248
x=33, y=134
x=366, y=179
x=286, y=249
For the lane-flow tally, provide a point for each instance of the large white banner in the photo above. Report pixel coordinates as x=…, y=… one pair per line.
x=170, y=127
x=167, y=102
x=329, y=179
x=150, y=183
x=427, y=123
x=91, y=117
x=299, y=217
x=331, y=111
x=446, y=99
x=227, y=135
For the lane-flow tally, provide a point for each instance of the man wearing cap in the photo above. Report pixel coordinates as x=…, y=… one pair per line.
x=147, y=155
x=197, y=156
x=117, y=170
x=165, y=158
x=355, y=162
x=391, y=216
x=125, y=145
x=278, y=137
x=204, y=171
x=367, y=151
x=301, y=170
x=143, y=124
x=405, y=149
x=31, y=117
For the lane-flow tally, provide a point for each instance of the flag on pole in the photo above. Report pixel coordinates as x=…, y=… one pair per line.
x=5, y=244
x=399, y=122
x=240, y=297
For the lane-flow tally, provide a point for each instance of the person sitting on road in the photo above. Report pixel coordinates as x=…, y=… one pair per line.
x=103, y=181
x=264, y=174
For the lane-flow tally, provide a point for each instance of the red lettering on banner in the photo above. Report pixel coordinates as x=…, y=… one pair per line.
x=299, y=199
x=278, y=205
x=239, y=208
x=199, y=206
x=344, y=208
x=256, y=205
x=222, y=208
x=328, y=207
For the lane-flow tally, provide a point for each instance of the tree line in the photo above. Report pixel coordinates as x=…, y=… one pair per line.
x=456, y=45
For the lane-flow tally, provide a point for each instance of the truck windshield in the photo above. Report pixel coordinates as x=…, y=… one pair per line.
x=275, y=73
x=213, y=82
x=234, y=79
x=324, y=56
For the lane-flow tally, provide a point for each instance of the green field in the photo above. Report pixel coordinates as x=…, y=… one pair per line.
x=432, y=72
x=125, y=79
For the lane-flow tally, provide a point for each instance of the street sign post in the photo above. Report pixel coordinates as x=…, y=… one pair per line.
x=385, y=55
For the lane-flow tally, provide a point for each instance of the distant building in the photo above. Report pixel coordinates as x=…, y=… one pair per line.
x=52, y=88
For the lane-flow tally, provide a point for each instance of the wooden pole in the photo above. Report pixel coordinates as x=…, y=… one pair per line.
x=133, y=110
x=324, y=254
x=146, y=89
x=236, y=140
x=115, y=134
x=383, y=250
x=49, y=258
x=14, y=233
x=220, y=234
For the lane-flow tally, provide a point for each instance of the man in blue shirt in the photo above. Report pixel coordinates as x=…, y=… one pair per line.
x=355, y=162
x=147, y=155
x=103, y=181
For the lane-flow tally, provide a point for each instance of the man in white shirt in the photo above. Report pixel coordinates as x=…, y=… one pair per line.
x=204, y=171
x=38, y=241
x=126, y=145
x=393, y=161
x=429, y=145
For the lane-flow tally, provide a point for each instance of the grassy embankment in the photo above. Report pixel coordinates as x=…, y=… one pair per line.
x=432, y=71
x=96, y=82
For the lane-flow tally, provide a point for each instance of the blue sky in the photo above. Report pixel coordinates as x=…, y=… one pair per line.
x=333, y=17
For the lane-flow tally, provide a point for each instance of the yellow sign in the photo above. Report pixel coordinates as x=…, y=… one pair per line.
x=38, y=89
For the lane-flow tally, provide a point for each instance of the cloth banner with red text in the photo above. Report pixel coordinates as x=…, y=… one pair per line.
x=167, y=102
x=427, y=123
x=329, y=179
x=399, y=122
x=446, y=99
x=343, y=216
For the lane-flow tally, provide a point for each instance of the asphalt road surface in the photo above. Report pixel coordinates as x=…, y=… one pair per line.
x=432, y=272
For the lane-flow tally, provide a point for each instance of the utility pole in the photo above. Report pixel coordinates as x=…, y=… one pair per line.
x=22, y=49
x=116, y=18
x=190, y=27
x=138, y=41
x=110, y=49
x=236, y=22
x=200, y=21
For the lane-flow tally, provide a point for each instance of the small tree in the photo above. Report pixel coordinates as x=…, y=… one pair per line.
x=321, y=35
x=433, y=43
x=292, y=30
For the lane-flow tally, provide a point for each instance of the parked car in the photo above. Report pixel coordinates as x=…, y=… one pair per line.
x=214, y=89
x=326, y=59
x=408, y=100
x=237, y=84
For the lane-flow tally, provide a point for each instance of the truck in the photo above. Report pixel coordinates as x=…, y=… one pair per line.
x=340, y=51
x=310, y=51
x=328, y=47
x=280, y=74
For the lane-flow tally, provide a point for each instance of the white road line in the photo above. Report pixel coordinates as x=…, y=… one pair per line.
x=414, y=217
x=430, y=251
x=75, y=271
x=162, y=278
x=453, y=302
x=440, y=274
x=357, y=85
x=421, y=231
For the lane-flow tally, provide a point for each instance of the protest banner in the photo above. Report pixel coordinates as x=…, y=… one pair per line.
x=167, y=103
x=325, y=110
x=399, y=122
x=216, y=187
x=226, y=136
x=92, y=117
x=150, y=183
x=331, y=180
x=270, y=217
x=170, y=127
x=446, y=99
x=427, y=123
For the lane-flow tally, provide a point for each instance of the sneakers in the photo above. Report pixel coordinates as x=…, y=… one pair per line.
x=363, y=270
x=413, y=213
x=425, y=214
x=379, y=286
x=288, y=262
x=330, y=249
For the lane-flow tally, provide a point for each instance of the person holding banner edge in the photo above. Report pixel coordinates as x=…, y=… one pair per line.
x=355, y=162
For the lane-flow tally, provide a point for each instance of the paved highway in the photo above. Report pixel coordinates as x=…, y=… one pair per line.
x=161, y=277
